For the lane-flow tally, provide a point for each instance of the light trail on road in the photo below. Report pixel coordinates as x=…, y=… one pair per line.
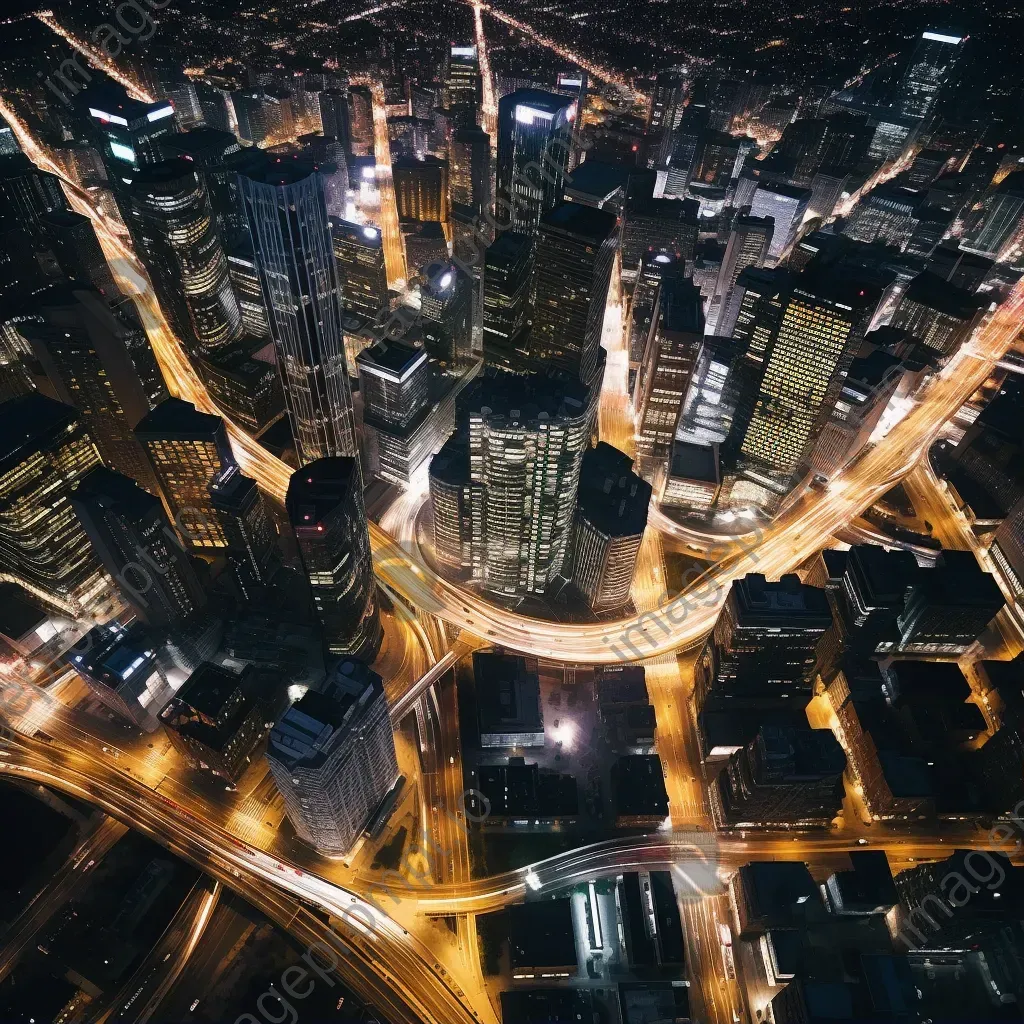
x=97, y=58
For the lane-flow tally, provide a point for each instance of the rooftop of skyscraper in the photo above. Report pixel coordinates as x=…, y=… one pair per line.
x=611, y=496
x=757, y=600
x=583, y=221
x=316, y=490
x=320, y=720
x=174, y=419
x=117, y=491
x=524, y=397
x=28, y=420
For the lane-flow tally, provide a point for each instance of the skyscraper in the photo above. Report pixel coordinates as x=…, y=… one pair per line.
x=251, y=537
x=44, y=452
x=667, y=104
x=508, y=268
x=665, y=370
x=332, y=755
x=993, y=229
x=27, y=193
x=294, y=250
x=654, y=268
x=129, y=131
x=661, y=225
x=463, y=85
x=786, y=206
x=470, y=169
x=446, y=314
x=572, y=271
x=133, y=538
x=611, y=516
x=749, y=241
x=77, y=250
x=816, y=338
x=359, y=252
x=534, y=149
x=325, y=507
x=188, y=449
x=105, y=368
x=174, y=230
x=525, y=441
x=421, y=189
x=930, y=66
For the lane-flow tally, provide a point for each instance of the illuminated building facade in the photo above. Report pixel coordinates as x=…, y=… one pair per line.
x=535, y=131
x=463, y=85
x=359, y=252
x=294, y=250
x=446, y=314
x=132, y=132
x=611, y=516
x=667, y=104
x=749, y=241
x=332, y=756
x=421, y=189
x=786, y=206
x=175, y=233
x=102, y=366
x=666, y=368
x=325, y=508
x=508, y=269
x=572, y=271
x=188, y=449
x=802, y=366
x=133, y=538
x=45, y=451
x=930, y=66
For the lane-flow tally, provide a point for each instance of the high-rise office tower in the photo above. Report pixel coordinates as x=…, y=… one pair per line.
x=469, y=170
x=130, y=132
x=394, y=380
x=251, y=537
x=749, y=242
x=8, y=140
x=665, y=369
x=72, y=238
x=999, y=224
x=172, y=223
x=334, y=116
x=133, y=538
x=421, y=188
x=611, y=516
x=817, y=336
x=687, y=140
x=332, y=755
x=930, y=66
x=937, y=313
x=446, y=314
x=119, y=665
x=27, y=193
x=402, y=427
x=534, y=149
x=710, y=402
x=667, y=104
x=291, y=237
x=786, y=206
x=456, y=507
x=572, y=271
x=508, y=269
x=188, y=449
x=213, y=106
x=526, y=439
x=213, y=153
x=767, y=633
x=664, y=225
x=655, y=267
x=45, y=451
x=359, y=253
x=360, y=106
x=887, y=214
x=245, y=282
x=246, y=389
x=105, y=368
x=463, y=85
x=325, y=507
x=715, y=159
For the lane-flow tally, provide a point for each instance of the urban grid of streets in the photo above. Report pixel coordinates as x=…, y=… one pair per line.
x=390, y=947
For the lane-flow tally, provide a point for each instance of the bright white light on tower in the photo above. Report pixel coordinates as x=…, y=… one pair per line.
x=122, y=152
x=570, y=114
x=370, y=233
x=104, y=116
x=445, y=281
x=533, y=881
x=937, y=37
x=463, y=51
x=527, y=115
x=662, y=258
x=157, y=115
x=369, y=173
